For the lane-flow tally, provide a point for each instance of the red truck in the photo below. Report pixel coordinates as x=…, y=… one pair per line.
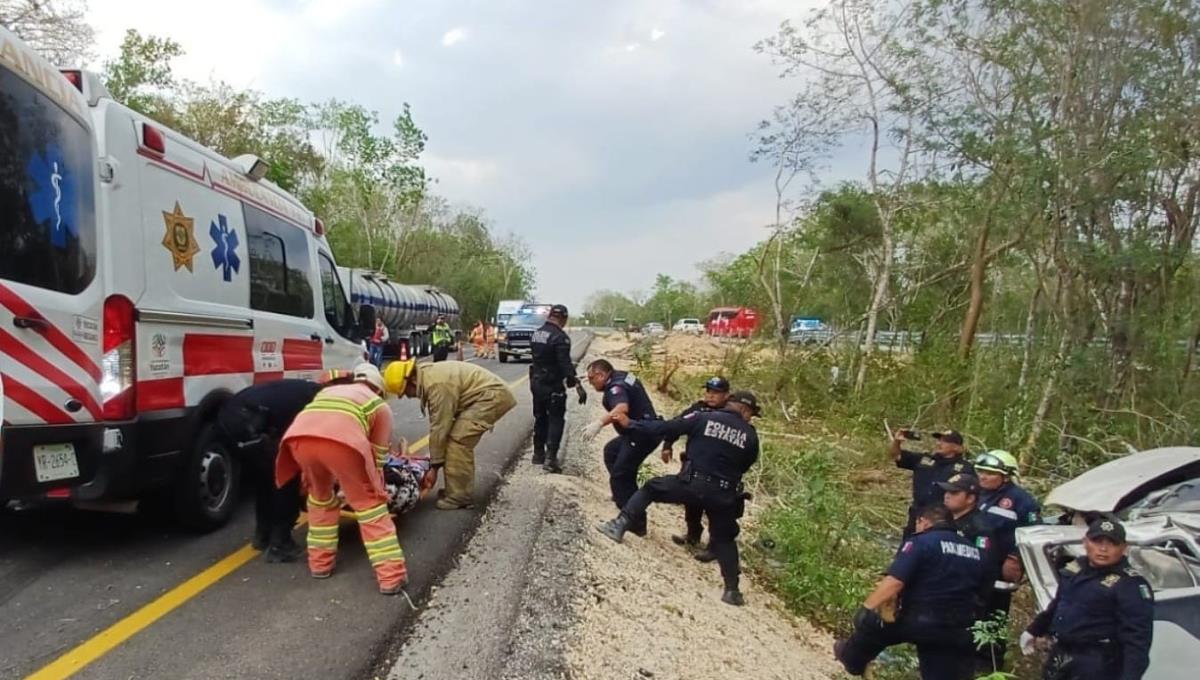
x=732, y=322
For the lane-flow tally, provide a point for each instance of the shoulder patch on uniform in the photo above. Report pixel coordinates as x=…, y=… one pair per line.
x=958, y=467
x=907, y=547
x=982, y=542
x=1145, y=591
x=926, y=461
x=615, y=389
x=630, y=379
x=1072, y=567
x=1006, y=503
x=1110, y=580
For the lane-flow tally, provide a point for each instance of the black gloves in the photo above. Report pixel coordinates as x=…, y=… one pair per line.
x=580, y=391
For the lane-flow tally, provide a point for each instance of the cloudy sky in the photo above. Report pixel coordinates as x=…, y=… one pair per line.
x=613, y=135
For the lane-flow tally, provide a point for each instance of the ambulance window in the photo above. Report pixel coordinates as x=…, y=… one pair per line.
x=47, y=211
x=332, y=295
x=279, y=265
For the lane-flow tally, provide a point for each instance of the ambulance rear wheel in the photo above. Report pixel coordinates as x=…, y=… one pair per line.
x=206, y=490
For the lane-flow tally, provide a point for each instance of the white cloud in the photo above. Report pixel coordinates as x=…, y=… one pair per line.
x=454, y=36
x=631, y=47
x=464, y=174
x=657, y=34
x=398, y=59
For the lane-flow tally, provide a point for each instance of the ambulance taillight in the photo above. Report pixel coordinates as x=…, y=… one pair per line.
x=118, y=367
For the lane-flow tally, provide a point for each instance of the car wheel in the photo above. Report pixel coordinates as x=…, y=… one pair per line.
x=206, y=489
x=503, y=358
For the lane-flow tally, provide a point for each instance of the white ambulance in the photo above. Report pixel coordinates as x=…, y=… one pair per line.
x=143, y=280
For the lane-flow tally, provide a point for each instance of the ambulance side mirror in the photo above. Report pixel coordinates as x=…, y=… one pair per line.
x=366, y=320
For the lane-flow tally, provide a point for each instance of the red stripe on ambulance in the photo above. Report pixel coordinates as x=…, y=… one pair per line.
x=217, y=354
x=25, y=356
x=57, y=338
x=302, y=355
x=159, y=395
x=35, y=403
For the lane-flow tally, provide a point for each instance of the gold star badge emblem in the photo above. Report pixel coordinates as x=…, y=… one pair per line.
x=180, y=238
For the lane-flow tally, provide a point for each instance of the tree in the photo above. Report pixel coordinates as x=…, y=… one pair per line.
x=56, y=28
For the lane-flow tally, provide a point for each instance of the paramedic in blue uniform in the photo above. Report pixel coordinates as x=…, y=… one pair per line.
x=721, y=447
x=550, y=374
x=1006, y=506
x=934, y=576
x=716, y=395
x=929, y=468
x=623, y=454
x=250, y=425
x=1102, y=617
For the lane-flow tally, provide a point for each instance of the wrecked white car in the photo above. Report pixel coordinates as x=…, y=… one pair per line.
x=1157, y=495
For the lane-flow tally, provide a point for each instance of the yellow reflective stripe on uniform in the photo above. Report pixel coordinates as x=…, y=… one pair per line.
x=384, y=542
x=323, y=531
x=372, y=406
x=322, y=504
x=372, y=514
x=327, y=543
x=329, y=406
x=386, y=557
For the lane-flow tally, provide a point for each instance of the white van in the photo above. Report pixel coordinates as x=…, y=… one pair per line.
x=505, y=310
x=143, y=280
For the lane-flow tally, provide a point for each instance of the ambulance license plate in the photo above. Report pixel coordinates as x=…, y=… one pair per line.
x=55, y=461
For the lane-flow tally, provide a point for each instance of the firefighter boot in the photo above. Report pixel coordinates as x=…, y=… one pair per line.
x=552, y=464
x=615, y=528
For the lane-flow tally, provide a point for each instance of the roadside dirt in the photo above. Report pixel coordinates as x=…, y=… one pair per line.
x=541, y=594
x=650, y=610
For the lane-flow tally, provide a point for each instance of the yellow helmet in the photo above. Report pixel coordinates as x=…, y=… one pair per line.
x=396, y=375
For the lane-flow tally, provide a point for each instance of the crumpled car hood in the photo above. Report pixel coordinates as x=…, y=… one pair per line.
x=1115, y=484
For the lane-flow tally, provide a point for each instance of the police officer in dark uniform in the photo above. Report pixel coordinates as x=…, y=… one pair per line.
x=928, y=469
x=721, y=447
x=960, y=495
x=1102, y=617
x=934, y=575
x=1006, y=506
x=623, y=455
x=552, y=368
x=250, y=424
x=716, y=395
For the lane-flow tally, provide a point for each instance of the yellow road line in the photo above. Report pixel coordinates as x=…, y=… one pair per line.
x=74, y=660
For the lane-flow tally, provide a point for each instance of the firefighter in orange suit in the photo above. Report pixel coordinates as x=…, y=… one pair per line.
x=463, y=401
x=344, y=436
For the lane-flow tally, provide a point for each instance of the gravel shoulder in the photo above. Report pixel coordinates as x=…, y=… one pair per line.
x=539, y=593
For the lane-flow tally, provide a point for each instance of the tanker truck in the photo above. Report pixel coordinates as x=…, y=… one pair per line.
x=408, y=311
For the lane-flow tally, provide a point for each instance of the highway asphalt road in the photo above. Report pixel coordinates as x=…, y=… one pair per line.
x=129, y=596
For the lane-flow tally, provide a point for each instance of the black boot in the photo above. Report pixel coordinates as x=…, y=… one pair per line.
x=705, y=556
x=539, y=456
x=552, y=464
x=732, y=595
x=615, y=528
x=692, y=543
x=262, y=537
x=282, y=547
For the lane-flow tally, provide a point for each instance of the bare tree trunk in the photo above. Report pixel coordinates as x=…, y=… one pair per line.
x=1027, y=353
x=966, y=338
x=883, y=277
x=1043, y=408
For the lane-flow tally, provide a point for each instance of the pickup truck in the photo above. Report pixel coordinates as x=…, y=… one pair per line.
x=514, y=341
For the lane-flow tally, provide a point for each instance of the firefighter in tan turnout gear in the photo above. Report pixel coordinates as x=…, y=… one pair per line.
x=462, y=402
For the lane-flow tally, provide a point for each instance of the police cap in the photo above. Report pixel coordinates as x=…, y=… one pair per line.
x=951, y=436
x=961, y=482
x=1107, y=527
x=558, y=310
x=716, y=384
x=746, y=399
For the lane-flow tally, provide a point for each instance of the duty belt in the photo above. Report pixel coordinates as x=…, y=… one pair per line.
x=714, y=480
